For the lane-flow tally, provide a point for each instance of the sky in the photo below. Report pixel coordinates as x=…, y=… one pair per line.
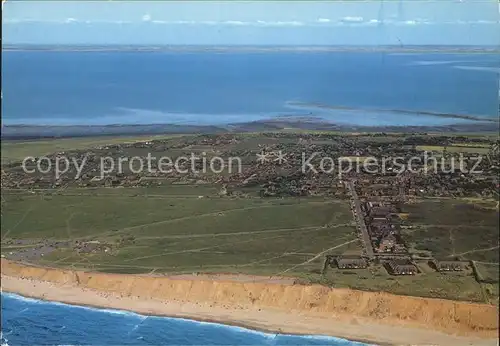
x=371, y=22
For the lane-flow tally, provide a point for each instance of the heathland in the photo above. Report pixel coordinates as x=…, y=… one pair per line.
x=268, y=218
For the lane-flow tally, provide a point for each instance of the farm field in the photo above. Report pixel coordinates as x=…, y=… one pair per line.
x=457, y=148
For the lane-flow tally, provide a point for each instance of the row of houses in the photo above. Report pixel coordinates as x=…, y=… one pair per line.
x=397, y=266
x=449, y=266
x=401, y=267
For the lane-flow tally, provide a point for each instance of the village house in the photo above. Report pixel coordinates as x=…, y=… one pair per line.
x=371, y=204
x=379, y=228
x=350, y=263
x=387, y=244
x=380, y=212
x=448, y=266
x=400, y=267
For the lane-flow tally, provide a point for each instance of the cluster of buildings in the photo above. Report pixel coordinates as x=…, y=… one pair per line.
x=384, y=233
x=376, y=206
x=449, y=266
x=376, y=209
x=401, y=267
x=381, y=237
x=347, y=262
x=287, y=179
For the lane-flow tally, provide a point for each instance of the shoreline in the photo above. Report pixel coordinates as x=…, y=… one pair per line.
x=228, y=323
x=278, y=124
x=274, y=308
x=255, y=48
x=255, y=326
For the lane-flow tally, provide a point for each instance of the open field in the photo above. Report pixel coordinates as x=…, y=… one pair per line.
x=459, y=148
x=488, y=273
x=454, y=228
x=266, y=220
x=175, y=231
x=471, y=145
x=179, y=233
x=17, y=150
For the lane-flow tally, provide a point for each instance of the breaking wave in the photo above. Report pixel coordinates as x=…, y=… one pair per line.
x=44, y=322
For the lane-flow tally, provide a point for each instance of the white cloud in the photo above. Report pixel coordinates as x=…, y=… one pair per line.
x=350, y=19
x=487, y=22
x=324, y=22
x=291, y=23
x=462, y=22
x=182, y=22
x=236, y=22
x=415, y=21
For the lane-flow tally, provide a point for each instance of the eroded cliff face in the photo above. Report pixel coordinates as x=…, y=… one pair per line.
x=444, y=315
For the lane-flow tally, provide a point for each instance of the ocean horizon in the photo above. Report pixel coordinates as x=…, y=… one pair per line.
x=66, y=324
x=219, y=88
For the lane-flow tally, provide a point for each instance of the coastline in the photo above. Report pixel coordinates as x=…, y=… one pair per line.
x=37, y=132
x=256, y=48
x=224, y=322
x=279, y=309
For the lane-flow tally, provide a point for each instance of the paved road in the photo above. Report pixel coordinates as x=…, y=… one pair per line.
x=358, y=215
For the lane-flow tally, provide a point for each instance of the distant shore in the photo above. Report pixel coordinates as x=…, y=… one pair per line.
x=263, y=49
x=32, y=132
x=368, y=317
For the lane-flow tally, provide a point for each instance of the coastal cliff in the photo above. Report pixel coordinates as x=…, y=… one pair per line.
x=450, y=317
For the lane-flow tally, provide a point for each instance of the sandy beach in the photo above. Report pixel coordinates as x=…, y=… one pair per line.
x=256, y=316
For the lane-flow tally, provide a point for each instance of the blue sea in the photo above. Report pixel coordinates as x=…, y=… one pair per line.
x=208, y=87
x=27, y=321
